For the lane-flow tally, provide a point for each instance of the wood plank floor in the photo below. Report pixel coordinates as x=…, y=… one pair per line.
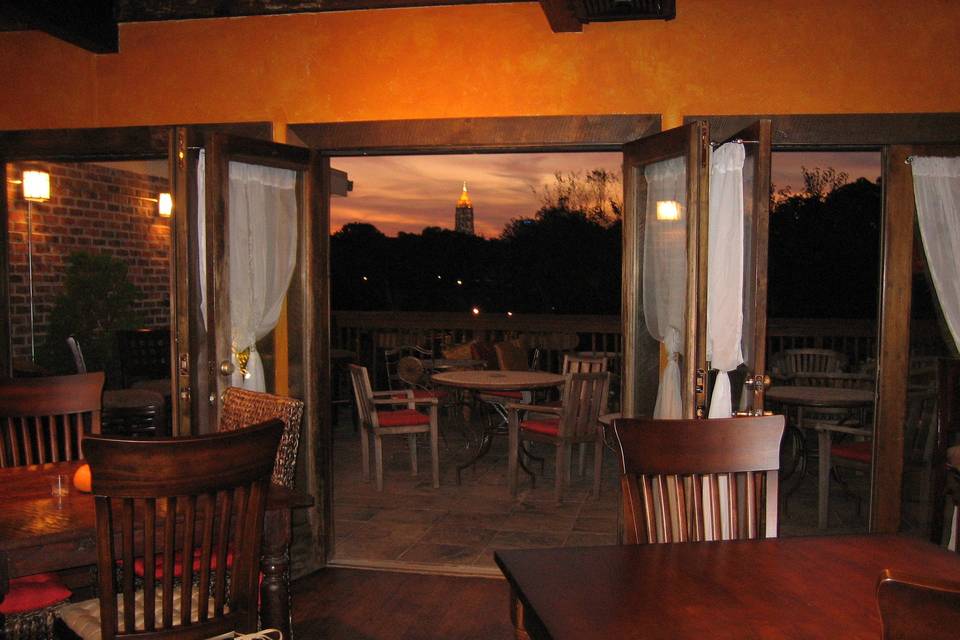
x=349, y=604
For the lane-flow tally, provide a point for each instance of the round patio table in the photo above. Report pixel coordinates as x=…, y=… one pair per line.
x=484, y=380
x=814, y=398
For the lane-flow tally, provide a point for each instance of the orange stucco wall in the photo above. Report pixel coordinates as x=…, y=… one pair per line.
x=717, y=57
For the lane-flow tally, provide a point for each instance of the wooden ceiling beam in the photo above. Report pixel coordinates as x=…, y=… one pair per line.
x=562, y=15
x=88, y=24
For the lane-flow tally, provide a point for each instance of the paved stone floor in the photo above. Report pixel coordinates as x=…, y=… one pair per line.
x=454, y=529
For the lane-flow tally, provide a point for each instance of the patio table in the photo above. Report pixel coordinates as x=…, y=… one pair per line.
x=484, y=380
x=40, y=533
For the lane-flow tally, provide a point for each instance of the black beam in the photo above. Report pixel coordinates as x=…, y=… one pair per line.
x=88, y=24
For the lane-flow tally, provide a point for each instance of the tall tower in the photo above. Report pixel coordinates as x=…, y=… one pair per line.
x=463, y=219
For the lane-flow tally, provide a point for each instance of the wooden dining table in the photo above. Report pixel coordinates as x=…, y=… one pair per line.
x=803, y=587
x=41, y=533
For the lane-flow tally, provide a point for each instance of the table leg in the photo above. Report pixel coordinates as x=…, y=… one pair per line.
x=275, y=566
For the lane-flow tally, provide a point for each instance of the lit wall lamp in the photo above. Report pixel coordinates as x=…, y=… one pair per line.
x=165, y=205
x=668, y=210
x=36, y=188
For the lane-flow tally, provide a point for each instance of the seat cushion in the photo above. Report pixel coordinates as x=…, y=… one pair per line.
x=33, y=592
x=402, y=418
x=139, y=566
x=859, y=451
x=83, y=618
x=546, y=426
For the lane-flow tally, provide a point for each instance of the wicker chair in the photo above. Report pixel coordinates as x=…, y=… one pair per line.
x=242, y=408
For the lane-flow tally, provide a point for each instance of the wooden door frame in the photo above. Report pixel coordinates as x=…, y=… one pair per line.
x=858, y=132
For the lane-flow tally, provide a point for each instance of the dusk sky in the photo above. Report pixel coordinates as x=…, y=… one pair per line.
x=408, y=193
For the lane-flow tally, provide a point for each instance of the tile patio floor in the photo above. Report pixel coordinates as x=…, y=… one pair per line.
x=454, y=529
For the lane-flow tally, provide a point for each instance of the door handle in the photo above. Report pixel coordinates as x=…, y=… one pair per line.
x=226, y=368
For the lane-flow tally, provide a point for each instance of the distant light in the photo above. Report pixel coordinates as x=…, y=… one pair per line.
x=476, y=311
x=668, y=210
x=439, y=277
x=460, y=282
x=164, y=205
x=365, y=278
x=36, y=186
x=509, y=314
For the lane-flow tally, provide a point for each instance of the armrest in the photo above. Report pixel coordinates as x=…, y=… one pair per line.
x=533, y=408
x=839, y=428
x=390, y=393
x=406, y=400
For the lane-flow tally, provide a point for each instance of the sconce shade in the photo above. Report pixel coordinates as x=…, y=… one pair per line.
x=668, y=210
x=165, y=205
x=36, y=186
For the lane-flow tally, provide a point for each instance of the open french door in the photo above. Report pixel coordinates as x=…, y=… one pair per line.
x=673, y=223
x=216, y=242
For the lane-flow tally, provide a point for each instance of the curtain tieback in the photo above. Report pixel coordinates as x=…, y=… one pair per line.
x=243, y=358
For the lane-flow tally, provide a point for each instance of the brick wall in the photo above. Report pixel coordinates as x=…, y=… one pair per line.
x=92, y=208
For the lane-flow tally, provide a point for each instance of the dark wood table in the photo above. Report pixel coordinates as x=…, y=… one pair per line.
x=40, y=533
x=816, y=587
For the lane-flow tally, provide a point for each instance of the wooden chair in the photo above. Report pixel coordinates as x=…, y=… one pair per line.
x=170, y=496
x=43, y=420
x=674, y=472
x=379, y=423
x=242, y=408
x=573, y=363
x=916, y=608
x=812, y=361
x=576, y=420
x=918, y=436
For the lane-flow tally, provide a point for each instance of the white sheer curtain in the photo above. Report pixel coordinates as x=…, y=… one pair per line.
x=665, y=273
x=725, y=272
x=263, y=255
x=936, y=187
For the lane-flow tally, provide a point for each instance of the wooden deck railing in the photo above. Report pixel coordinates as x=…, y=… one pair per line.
x=363, y=332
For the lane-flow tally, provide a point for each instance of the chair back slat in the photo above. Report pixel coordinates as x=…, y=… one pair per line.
x=694, y=480
x=154, y=500
x=363, y=394
x=583, y=364
x=45, y=419
x=813, y=361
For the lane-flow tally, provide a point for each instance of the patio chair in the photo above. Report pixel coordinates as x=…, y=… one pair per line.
x=917, y=608
x=391, y=362
x=576, y=420
x=43, y=420
x=696, y=480
x=216, y=486
x=378, y=423
x=812, y=361
x=242, y=408
x=919, y=436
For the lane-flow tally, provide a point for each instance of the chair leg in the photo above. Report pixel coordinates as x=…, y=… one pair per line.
x=513, y=451
x=434, y=448
x=568, y=463
x=365, y=453
x=414, y=467
x=563, y=468
x=823, y=481
x=583, y=459
x=378, y=460
x=597, y=466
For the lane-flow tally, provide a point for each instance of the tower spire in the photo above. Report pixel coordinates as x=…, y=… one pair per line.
x=463, y=219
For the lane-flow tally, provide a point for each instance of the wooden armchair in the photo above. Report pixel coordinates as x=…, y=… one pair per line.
x=576, y=420
x=43, y=420
x=242, y=408
x=378, y=423
x=160, y=499
x=683, y=480
x=916, y=608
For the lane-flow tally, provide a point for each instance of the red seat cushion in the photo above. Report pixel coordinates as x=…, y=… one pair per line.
x=547, y=426
x=139, y=566
x=33, y=592
x=513, y=395
x=402, y=418
x=860, y=451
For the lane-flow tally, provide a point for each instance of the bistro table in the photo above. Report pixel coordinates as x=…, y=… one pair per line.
x=40, y=533
x=814, y=587
x=484, y=380
x=802, y=398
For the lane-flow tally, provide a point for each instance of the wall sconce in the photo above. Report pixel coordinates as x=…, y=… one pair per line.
x=668, y=210
x=36, y=186
x=164, y=205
